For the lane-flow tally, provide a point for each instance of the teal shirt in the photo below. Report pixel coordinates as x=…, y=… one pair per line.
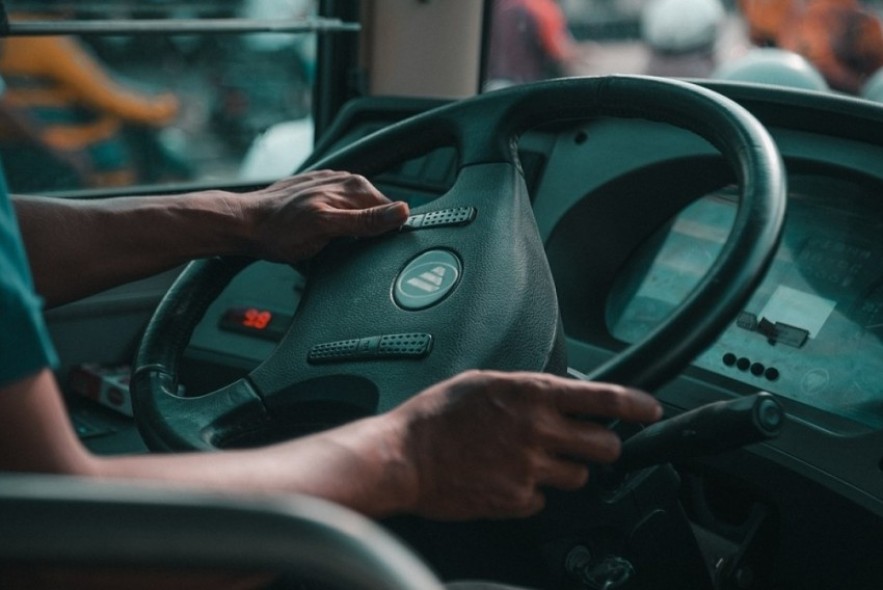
x=25, y=346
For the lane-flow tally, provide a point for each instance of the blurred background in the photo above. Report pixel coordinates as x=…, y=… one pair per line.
x=97, y=111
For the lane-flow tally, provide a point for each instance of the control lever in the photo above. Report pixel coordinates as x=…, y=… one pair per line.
x=707, y=430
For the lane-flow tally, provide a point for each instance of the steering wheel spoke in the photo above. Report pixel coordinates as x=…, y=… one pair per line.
x=229, y=414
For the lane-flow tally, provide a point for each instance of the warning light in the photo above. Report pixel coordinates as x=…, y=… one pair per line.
x=258, y=319
x=255, y=321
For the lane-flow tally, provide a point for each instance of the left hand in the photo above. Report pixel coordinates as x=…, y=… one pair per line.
x=294, y=218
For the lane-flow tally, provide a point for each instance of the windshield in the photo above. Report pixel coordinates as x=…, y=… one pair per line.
x=824, y=45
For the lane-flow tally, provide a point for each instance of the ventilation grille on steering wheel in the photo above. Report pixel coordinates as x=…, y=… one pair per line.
x=389, y=346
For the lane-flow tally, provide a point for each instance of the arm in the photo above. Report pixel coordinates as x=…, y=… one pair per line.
x=345, y=465
x=481, y=444
x=77, y=248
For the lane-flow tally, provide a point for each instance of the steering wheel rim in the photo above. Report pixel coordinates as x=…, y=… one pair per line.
x=485, y=130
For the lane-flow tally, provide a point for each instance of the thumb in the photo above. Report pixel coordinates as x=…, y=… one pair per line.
x=374, y=220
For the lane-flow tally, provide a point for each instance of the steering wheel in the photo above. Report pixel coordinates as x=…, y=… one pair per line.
x=465, y=284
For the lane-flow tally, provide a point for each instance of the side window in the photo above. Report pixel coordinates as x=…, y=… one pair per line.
x=190, y=98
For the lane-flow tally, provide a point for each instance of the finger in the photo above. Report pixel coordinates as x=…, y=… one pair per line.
x=531, y=506
x=581, y=398
x=584, y=440
x=564, y=474
x=366, y=222
x=606, y=400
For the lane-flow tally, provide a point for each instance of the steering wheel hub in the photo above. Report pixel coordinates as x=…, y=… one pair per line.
x=427, y=279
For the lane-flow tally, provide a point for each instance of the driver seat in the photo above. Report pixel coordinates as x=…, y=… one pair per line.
x=75, y=523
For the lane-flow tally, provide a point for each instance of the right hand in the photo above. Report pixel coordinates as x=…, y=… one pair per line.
x=485, y=444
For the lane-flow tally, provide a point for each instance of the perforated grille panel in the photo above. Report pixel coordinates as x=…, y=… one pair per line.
x=389, y=346
x=443, y=217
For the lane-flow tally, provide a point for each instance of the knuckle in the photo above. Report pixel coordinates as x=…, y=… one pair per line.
x=485, y=379
x=534, y=382
x=527, y=390
x=357, y=180
x=472, y=375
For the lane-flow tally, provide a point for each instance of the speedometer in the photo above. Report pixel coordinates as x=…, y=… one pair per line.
x=811, y=332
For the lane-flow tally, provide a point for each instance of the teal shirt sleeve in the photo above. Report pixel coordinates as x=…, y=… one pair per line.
x=25, y=346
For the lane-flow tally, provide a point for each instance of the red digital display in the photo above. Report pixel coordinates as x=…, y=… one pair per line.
x=255, y=318
x=255, y=321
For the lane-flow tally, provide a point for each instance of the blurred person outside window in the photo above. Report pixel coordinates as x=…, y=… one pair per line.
x=76, y=107
x=845, y=42
x=766, y=18
x=841, y=38
x=529, y=41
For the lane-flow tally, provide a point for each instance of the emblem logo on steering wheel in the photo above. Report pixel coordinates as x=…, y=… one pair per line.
x=427, y=279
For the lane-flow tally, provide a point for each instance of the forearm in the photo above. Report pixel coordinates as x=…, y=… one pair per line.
x=361, y=466
x=77, y=248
